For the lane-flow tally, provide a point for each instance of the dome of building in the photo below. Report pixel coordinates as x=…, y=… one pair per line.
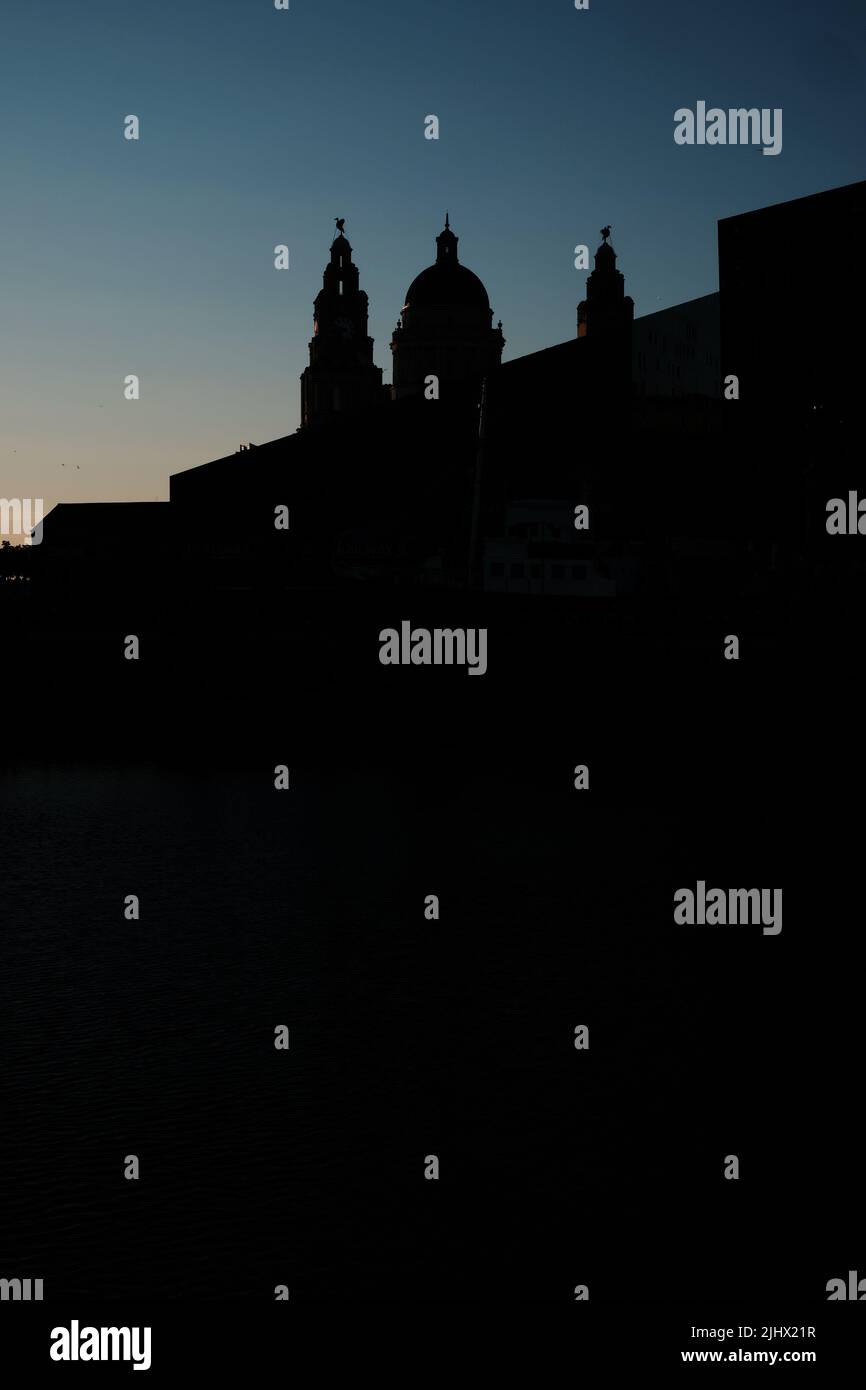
x=445, y=331
x=447, y=282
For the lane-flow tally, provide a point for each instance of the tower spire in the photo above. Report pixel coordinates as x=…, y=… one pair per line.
x=446, y=245
x=607, y=308
x=341, y=375
x=605, y=319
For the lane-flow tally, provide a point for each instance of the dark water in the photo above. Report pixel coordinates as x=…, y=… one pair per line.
x=412, y=1037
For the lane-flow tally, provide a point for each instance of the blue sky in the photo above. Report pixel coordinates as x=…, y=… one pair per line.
x=260, y=126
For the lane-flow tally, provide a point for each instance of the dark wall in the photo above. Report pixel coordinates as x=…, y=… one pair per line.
x=793, y=300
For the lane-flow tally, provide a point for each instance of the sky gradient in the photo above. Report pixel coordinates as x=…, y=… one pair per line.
x=260, y=126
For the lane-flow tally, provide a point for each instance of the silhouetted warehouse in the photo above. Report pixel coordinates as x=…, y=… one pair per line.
x=104, y=542
x=793, y=303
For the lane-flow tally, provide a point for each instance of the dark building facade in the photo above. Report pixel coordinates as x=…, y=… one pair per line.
x=675, y=352
x=790, y=268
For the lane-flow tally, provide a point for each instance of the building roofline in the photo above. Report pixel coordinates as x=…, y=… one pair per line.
x=789, y=202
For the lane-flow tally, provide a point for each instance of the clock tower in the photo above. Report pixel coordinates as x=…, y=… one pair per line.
x=342, y=375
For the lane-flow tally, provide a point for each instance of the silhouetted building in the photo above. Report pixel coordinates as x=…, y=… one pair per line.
x=75, y=527
x=345, y=521
x=675, y=352
x=341, y=375
x=605, y=316
x=108, y=545
x=627, y=418
x=793, y=303
x=446, y=326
